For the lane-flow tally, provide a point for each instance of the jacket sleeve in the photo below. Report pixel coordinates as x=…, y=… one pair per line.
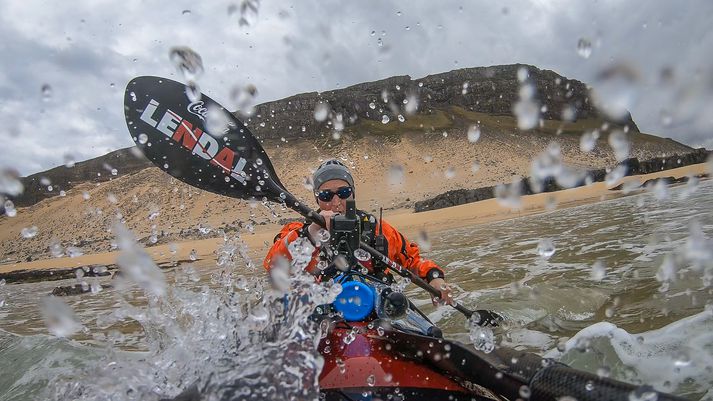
x=406, y=253
x=288, y=233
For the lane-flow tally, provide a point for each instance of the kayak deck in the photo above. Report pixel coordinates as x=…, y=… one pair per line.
x=360, y=363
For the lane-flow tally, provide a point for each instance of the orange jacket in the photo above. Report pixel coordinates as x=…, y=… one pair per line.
x=401, y=250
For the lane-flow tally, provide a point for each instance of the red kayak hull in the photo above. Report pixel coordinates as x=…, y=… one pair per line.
x=360, y=360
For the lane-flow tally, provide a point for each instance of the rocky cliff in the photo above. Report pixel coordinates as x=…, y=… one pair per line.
x=490, y=90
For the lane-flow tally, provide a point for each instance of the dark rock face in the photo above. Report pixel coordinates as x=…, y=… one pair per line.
x=123, y=161
x=491, y=90
x=634, y=167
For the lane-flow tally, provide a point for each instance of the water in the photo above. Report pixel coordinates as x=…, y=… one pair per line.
x=601, y=302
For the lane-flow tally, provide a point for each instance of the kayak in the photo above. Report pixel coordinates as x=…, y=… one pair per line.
x=372, y=352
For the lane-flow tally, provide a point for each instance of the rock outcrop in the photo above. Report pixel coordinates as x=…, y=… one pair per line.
x=633, y=165
x=491, y=90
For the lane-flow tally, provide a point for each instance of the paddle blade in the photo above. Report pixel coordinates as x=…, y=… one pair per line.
x=198, y=141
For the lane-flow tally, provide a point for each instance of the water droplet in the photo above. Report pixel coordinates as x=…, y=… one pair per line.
x=379, y=42
x=396, y=174
x=473, y=133
x=588, y=141
x=615, y=175
x=216, y=121
x=619, y=142
x=373, y=33
x=10, y=183
x=450, y=173
x=509, y=195
x=372, y=105
x=73, y=251
x=143, y=138
x=59, y=317
x=643, y=393
x=545, y=248
x=193, y=91
x=524, y=392
x=526, y=109
x=401, y=118
x=248, y=12
x=423, y=242
x=615, y=91
x=584, y=48
x=10, y=210
x=46, y=92
x=385, y=119
x=362, y=255
x=29, y=232
x=522, y=74
x=599, y=270
x=243, y=98
x=604, y=372
x=589, y=386
x=398, y=13
x=475, y=167
x=321, y=111
x=187, y=62
x=323, y=235
x=371, y=381
x=68, y=160
x=193, y=255
x=186, y=12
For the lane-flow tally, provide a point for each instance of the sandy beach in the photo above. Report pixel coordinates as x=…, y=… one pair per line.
x=407, y=221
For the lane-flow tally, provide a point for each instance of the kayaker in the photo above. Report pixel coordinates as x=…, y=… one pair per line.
x=333, y=186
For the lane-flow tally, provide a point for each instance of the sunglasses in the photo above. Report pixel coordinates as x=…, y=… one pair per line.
x=326, y=195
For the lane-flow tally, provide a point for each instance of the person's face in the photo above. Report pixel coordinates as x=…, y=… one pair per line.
x=336, y=204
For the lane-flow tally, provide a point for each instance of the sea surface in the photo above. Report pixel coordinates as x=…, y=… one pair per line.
x=620, y=287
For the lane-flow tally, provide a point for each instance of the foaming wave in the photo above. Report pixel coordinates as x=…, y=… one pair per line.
x=677, y=357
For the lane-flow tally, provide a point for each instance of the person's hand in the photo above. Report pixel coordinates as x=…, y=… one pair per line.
x=441, y=285
x=314, y=227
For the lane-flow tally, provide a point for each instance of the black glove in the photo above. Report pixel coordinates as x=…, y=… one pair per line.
x=489, y=318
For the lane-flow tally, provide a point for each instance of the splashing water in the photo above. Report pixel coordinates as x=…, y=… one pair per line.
x=234, y=340
x=187, y=62
x=482, y=338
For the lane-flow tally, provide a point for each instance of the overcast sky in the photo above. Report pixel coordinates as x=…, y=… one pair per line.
x=87, y=50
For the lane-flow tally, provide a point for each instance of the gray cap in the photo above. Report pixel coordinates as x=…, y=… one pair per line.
x=331, y=170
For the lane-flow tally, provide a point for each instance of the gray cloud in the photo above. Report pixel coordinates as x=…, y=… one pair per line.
x=81, y=49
